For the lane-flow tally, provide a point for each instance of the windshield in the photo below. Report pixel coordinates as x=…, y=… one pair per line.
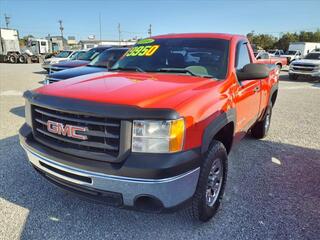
x=76, y=55
x=107, y=58
x=291, y=52
x=91, y=54
x=194, y=56
x=272, y=51
x=63, y=54
x=314, y=56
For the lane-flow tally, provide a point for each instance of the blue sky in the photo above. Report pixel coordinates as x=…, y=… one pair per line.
x=81, y=17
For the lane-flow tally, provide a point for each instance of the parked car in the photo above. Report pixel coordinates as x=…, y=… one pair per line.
x=62, y=56
x=306, y=67
x=258, y=52
x=276, y=52
x=267, y=58
x=154, y=133
x=83, y=60
x=292, y=55
x=100, y=63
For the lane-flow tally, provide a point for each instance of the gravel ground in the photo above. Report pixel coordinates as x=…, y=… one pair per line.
x=273, y=189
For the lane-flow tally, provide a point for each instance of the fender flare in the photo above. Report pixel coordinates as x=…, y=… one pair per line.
x=274, y=88
x=215, y=126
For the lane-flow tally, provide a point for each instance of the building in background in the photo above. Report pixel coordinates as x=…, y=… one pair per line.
x=57, y=43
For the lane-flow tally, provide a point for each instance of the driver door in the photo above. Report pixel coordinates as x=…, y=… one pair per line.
x=247, y=96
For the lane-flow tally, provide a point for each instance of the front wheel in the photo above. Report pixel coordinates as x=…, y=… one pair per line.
x=261, y=128
x=211, y=183
x=293, y=76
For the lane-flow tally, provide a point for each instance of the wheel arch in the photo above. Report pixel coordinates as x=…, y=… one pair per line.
x=221, y=129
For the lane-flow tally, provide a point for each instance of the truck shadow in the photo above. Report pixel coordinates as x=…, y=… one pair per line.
x=41, y=72
x=19, y=111
x=268, y=185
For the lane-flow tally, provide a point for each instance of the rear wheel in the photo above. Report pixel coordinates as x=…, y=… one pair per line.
x=211, y=183
x=278, y=70
x=261, y=128
x=12, y=58
x=22, y=59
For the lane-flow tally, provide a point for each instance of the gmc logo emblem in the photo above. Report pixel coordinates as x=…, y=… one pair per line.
x=66, y=130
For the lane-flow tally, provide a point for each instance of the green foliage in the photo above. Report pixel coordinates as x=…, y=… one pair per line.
x=267, y=41
x=23, y=41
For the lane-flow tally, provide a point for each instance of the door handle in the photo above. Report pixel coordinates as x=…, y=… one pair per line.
x=256, y=89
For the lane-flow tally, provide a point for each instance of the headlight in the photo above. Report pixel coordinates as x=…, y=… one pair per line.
x=291, y=67
x=158, y=136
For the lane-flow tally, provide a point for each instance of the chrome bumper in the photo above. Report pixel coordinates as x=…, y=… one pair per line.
x=311, y=73
x=170, y=191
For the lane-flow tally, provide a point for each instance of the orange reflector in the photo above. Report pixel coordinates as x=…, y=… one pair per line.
x=177, y=130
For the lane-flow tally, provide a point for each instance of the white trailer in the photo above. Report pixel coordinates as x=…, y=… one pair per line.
x=303, y=47
x=9, y=43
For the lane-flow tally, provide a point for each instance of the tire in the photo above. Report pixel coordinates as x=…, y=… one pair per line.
x=215, y=159
x=293, y=76
x=22, y=59
x=12, y=58
x=260, y=129
x=278, y=66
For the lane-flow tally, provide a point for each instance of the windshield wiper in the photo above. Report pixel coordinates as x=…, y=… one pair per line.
x=181, y=70
x=136, y=69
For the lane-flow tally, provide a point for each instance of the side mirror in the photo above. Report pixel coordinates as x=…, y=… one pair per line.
x=253, y=71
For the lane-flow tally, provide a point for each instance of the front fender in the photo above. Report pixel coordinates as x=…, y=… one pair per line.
x=215, y=126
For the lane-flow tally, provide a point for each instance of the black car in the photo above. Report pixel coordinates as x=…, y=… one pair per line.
x=100, y=63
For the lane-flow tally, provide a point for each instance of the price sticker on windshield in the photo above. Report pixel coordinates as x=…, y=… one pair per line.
x=142, y=51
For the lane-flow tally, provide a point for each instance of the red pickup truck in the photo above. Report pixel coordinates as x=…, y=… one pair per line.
x=154, y=133
x=266, y=58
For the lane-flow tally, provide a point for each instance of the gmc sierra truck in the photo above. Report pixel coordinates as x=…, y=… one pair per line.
x=155, y=131
x=266, y=58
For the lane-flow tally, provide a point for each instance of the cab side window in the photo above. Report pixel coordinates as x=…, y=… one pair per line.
x=243, y=57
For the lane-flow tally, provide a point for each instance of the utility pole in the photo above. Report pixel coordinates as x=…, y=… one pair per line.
x=100, y=25
x=7, y=20
x=119, y=32
x=61, y=30
x=150, y=30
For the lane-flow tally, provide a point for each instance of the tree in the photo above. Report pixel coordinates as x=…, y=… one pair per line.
x=264, y=41
x=23, y=41
x=284, y=41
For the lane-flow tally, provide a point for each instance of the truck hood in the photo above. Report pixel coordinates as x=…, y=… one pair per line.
x=307, y=61
x=75, y=72
x=144, y=90
x=71, y=64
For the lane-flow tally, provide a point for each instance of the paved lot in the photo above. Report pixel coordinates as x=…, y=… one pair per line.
x=273, y=189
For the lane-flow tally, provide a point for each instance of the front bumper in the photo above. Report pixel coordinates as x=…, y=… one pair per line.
x=305, y=73
x=166, y=193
